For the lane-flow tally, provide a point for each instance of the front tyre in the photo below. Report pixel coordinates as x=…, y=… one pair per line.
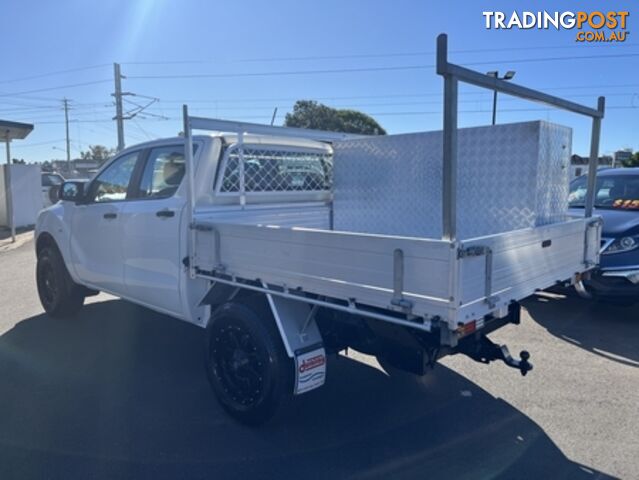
x=59, y=295
x=246, y=363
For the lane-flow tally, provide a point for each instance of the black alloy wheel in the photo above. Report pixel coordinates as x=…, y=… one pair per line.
x=246, y=362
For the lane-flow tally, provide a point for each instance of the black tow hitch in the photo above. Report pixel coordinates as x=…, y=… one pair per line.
x=484, y=351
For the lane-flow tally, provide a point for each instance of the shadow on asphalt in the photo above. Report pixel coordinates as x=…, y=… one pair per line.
x=120, y=392
x=605, y=329
x=5, y=232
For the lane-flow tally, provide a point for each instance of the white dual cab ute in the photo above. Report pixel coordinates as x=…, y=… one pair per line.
x=287, y=245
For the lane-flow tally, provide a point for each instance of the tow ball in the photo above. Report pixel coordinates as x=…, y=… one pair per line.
x=522, y=364
x=484, y=351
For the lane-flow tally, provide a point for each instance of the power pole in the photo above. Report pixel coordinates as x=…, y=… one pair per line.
x=119, y=116
x=66, y=122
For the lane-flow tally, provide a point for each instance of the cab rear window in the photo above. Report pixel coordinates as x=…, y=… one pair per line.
x=269, y=170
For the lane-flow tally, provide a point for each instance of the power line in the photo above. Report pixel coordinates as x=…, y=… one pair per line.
x=219, y=104
x=27, y=109
x=35, y=116
x=370, y=55
x=38, y=144
x=59, y=87
x=18, y=94
x=139, y=127
x=555, y=59
x=290, y=72
x=40, y=116
x=375, y=114
x=357, y=97
x=385, y=104
x=368, y=69
x=58, y=72
x=40, y=112
x=484, y=111
x=25, y=105
x=431, y=112
x=33, y=97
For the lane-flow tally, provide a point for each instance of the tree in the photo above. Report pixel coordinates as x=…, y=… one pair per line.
x=632, y=161
x=97, y=152
x=314, y=115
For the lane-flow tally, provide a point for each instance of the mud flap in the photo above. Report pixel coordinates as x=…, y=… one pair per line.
x=310, y=369
x=302, y=340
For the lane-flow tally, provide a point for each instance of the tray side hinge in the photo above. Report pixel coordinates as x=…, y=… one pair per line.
x=478, y=251
x=398, y=299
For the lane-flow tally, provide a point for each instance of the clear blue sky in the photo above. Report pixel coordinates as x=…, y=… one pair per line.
x=221, y=37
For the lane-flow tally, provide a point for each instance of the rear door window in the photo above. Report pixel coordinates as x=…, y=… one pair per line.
x=163, y=172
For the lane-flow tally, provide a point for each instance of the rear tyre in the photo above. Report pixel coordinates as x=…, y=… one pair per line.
x=246, y=362
x=59, y=295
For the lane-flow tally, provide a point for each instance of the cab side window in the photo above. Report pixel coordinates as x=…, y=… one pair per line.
x=112, y=184
x=163, y=172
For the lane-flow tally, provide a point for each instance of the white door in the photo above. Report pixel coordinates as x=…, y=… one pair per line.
x=96, y=243
x=152, y=239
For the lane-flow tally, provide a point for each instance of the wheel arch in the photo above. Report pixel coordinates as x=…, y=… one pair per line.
x=45, y=239
x=295, y=319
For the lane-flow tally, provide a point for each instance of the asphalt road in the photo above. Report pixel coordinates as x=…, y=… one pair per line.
x=120, y=392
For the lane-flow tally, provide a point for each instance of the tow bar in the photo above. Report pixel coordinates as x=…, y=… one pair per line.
x=484, y=351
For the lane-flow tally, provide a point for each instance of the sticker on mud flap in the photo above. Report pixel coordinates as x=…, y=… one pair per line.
x=310, y=370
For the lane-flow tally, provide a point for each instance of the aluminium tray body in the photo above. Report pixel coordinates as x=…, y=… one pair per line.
x=359, y=267
x=387, y=200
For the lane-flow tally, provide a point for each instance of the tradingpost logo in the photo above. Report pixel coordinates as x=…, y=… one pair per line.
x=594, y=26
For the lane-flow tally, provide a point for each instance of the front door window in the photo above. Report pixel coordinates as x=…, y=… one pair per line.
x=112, y=184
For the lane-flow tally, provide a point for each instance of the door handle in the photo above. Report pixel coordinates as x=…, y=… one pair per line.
x=165, y=213
x=110, y=216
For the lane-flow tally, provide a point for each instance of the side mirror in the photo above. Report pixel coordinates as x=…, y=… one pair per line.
x=72, y=191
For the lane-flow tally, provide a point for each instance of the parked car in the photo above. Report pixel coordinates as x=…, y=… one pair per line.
x=617, y=202
x=50, y=187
